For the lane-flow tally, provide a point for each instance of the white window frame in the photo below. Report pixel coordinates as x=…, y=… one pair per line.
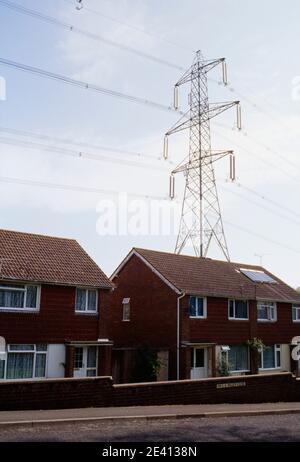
x=269, y=305
x=12, y=287
x=225, y=352
x=234, y=318
x=277, y=347
x=295, y=308
x=86, y=311
x=204, y=316
x=125, y=304
x=34, y=351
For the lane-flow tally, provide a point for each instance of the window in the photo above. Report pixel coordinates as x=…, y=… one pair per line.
x=2, y=368
x=270, y=357
x=266, y=311
x=237, y=309
x=126, y=309
x=24, y=362
x=238, y=358
x=86, y=300
x=197, y=357
x=78, y=360
x=296, y=313
x=91, y=370
x=19, y=297
x=197, y=307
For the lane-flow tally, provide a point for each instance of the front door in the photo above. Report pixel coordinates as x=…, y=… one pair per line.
x=85, y=361
x=198, y=363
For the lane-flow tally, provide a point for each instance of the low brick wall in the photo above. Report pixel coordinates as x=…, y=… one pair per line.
x=101, y=392
x=239, y=389
x=56, y=393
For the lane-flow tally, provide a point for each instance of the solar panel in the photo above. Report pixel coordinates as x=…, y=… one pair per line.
x=258, y=276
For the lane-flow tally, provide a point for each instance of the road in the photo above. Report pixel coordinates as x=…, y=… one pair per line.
x=255, y=428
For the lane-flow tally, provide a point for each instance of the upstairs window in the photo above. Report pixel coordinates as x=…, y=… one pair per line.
x=19, y=297
x=238, y=309
x=126, y=309
x=266, y=311
x=197, y=307
x=296, y=313
x=86, y=300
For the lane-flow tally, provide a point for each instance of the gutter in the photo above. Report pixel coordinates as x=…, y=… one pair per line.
x=178, y=336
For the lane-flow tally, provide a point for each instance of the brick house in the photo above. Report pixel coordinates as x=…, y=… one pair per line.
x=198, y=315
x=52, y=296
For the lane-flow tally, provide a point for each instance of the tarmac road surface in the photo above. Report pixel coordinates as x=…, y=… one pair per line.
x=247, y=429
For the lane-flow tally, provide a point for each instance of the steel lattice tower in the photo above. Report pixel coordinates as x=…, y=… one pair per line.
x=201, y=219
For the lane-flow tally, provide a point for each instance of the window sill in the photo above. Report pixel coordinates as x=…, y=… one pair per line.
x=198, y=317
x=240, y=372
x=269, y=369
x=87, y=313
x=267, y=320
x=238, y=319
x=125, y=320
x=19, y=310
x=296, y=321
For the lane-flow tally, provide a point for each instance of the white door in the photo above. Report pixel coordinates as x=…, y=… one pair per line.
x=199, y=363
x=85, y=362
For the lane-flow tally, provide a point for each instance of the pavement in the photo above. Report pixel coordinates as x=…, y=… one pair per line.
x=9, y=419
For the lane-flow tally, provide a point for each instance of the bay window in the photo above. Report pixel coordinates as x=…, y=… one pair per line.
x=19, y=297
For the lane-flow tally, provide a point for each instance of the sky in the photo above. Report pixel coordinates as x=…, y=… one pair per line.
x=127, y=203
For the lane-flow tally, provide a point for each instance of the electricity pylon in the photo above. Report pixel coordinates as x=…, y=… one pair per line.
x=201, y=219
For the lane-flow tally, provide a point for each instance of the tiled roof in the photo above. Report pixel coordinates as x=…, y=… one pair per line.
x=39, y=258
x=204, y=276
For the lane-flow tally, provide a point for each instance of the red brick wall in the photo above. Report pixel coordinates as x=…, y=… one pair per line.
x=56, y=393
x=281, y=331
x=100, y=392
x=216, y=328
x=56, y=321
x=153, y=318
x=152, y=305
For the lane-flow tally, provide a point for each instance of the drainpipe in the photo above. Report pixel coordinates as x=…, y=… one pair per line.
x=178, y=334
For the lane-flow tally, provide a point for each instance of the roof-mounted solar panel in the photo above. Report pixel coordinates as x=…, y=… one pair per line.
x=258, y=276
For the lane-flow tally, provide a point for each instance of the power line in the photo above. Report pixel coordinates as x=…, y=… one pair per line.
x=71, y=28
x=133, y=27
x=69, y=141
x=43, y=184
x=274, y=212
x=261, y=236
x=73, y=153
x=253, y=154
x=271, y=201
x=83, y=85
